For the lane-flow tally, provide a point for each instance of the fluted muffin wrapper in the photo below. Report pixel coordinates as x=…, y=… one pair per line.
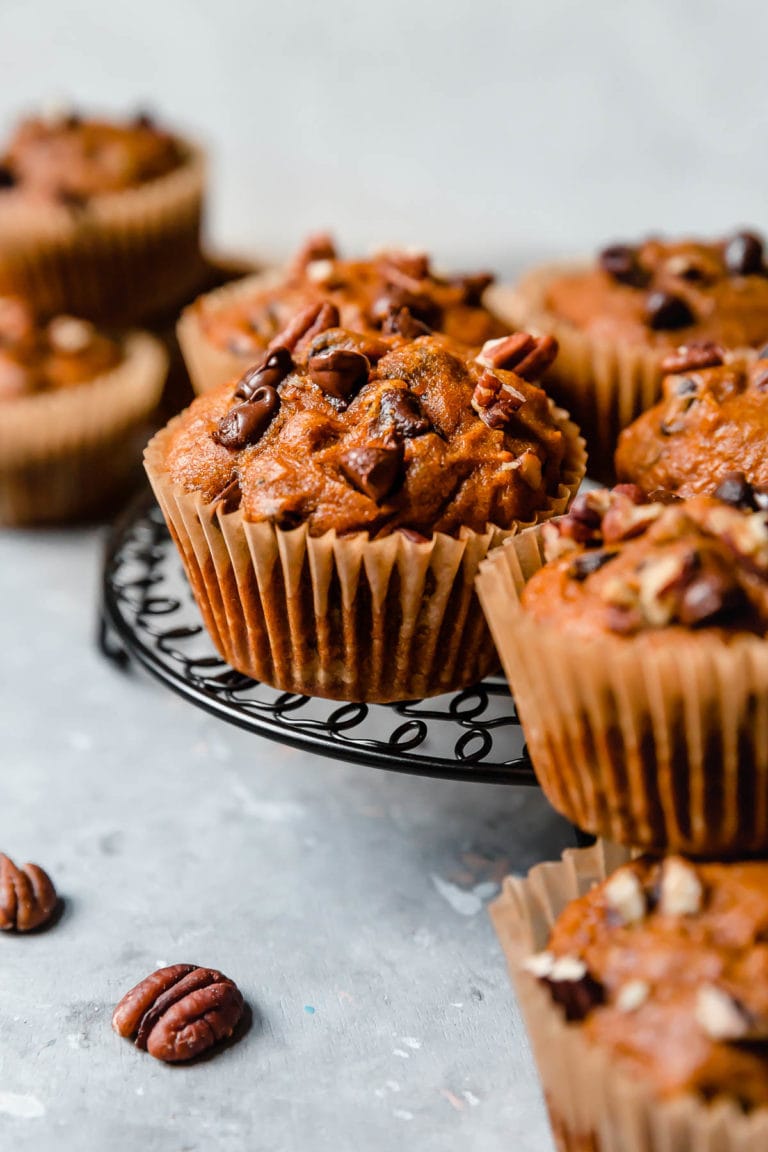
x=208, y=364
x=604, y=384
x=343, y=617
x=658, y=740
x=67, y=452
x=123, y=258
x=594, y=1105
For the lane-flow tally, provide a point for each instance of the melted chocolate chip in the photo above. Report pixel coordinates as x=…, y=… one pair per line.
x=404, y=411
x=577, y=998
x=744, y=254
x=7, y=178
x=735, y=489
x=374, y=471
x=403, y=323
x=589, y=562
x=421, y=306
x=229, y=498
x=271, y=371
x=339, y=372
x=247, y=423
x=664, y=312
x=709, y=597
x=621, y=263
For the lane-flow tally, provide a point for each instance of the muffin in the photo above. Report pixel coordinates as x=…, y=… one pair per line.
x=711, y=422
x=617, y=320
x=223, y=332
x=100, y=218
x=333, y=503
x=644, y=989
x=74, y=407
x=633, y=635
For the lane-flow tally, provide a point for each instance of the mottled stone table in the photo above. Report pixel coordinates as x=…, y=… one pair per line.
x=348, y=903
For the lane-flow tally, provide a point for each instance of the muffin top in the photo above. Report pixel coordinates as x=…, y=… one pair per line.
x=71, y=159
x=620, y=565
x=41, y=356
x=392, y=292
x=665, y=964
x=712, y=420
x=665, y=293
x=359, y=432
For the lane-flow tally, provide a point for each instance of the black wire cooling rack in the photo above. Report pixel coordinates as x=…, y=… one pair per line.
x=149, y=615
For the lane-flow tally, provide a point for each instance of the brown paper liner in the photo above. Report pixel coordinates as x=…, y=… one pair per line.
x=65, y=453
x=120, y=259
x=343, y=617
x=594, y=1105
x=658, y=740
x=208, y=364
x=604, y=385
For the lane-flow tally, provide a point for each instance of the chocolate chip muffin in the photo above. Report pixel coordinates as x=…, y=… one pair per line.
x=332, y=503
x=393, y=291
x=101, y=218
x=711, y=422
x=73, y=400
x=634, y=639
x=618, y=319
x=644, y=993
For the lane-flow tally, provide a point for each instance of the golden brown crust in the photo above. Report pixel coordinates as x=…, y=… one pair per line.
x=675, y=974
x=37, y=356
x=449, y=468
x=618, y=565
x=70, y=158
x=729, y=308
x=709, y=423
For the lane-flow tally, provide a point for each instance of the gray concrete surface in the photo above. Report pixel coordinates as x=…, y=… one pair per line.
x=349, y=904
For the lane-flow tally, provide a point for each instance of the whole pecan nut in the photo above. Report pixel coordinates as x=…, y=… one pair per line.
x=179, y=1012
x=27, y=896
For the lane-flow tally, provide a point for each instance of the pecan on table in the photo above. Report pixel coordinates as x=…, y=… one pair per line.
x=179, y=1012
x=27, y=896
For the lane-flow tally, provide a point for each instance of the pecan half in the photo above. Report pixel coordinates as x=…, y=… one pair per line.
x=179, y=1012
x=525, y=355
x=693, y=358
x=312, y=320
x=27, y=896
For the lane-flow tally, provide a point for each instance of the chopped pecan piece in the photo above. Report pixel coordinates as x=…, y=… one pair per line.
x=179, y=1012
x=693, y=358
x=27, y=896
x=494, y=401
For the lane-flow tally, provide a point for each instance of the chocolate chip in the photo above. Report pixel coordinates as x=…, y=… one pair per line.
x=621, y=263
x=229, y=498
x=664, y=312
x=247, y=423
x=734, y=488
x=7, y=178
x=589, y=562
x=421, y=306
x=577, y=993
x=375, y=471
x=744, y=254
x=144, y=119
x=709, y=596
x=582, y=511
x=404, y=411
x=339, y=372
x=271, y=371
x=404, y=323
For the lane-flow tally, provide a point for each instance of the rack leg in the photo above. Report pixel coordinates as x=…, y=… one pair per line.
x=110, y=644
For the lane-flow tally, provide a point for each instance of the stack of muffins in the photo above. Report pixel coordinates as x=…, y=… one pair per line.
x=99, y=231
x=633, y=634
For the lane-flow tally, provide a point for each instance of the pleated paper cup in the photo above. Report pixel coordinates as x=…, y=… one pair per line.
x=66, y=453
x=658, y=740
x=594, y=1106
x=208, y=364
x=342, y=617
x=120, y=259
x=604, y=384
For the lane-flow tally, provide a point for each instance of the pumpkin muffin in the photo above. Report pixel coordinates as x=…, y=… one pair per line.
x=101, y=218
x=633, y=635
x=73, y=401
x=617, y=319
x=332, y=504
x=711, y=422
x=224, y=331
x=645, y=993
